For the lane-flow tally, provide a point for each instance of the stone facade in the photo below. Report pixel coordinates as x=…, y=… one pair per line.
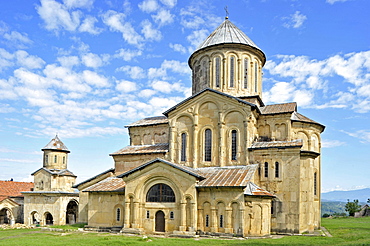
x=219, y=162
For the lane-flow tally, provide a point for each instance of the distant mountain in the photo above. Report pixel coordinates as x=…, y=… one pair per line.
x=332, y=208
x=342, y=196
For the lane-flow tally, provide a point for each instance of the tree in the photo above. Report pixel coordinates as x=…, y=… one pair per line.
x=368, y=200
x=352, y=207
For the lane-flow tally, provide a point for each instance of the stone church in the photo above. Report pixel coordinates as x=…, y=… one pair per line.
x=219, y=162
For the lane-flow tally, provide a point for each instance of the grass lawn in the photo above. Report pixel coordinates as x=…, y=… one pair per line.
x=345, y=231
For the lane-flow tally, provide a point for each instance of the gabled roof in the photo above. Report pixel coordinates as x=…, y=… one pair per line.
x=213, y=91
x=92, y=178
x=231, y=176
x=142, y=149
x=298, y=143
x=63, y=172
x=156, y=120
x=111, y=184
x=13, y=189
x=253, y=190
x=56, y=144
x=227, y=33
x=301, y=118
x=187, y=170
x=279, y=108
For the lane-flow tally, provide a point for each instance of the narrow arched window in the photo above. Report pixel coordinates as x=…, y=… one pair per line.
x=55, y=159
x=207, y=220
x=208, y=145
x=246, y=62
x=255, y=76
x=233, y=144
x=160, y=193
x=205, y=72
x=217, y=71
x=232, y=71
x=148, y=214
x=46, y=159
x=172, y=216
x=315, y=183
x=183, y=146
x=277, y=170
x=64, y=160
x=221, y=221
x=118, y=214
x=266, y=170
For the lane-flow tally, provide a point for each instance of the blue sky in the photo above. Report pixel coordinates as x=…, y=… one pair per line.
x=84, y=69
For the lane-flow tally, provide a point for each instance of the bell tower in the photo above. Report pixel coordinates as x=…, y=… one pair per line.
x=55, y=155
x=228, y=61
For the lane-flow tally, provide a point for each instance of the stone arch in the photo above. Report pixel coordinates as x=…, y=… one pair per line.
x=315, y=143
x=6, y=216
x=207, y=216
x=264, y=132
x=232, y=70
x=184, y=124
x=280, y=132
x=72, y=212
x=157, y=179
x=236, y=217
x=118, y=214
x=304, y=136
x=48, y=218
x=35, y=218
x=221, y=216
x=256, y=223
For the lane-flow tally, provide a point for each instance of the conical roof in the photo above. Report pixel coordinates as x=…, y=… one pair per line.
x=227, y=32
x=56, y=144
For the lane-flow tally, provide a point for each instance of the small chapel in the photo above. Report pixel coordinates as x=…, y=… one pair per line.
x=219, y=162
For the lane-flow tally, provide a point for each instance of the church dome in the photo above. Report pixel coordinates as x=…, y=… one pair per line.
x=227, y=33
x=56, y=144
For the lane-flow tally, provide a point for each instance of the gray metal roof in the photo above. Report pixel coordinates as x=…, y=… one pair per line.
x=142, y=149
x=62, y=172
x=156, y=120
x=56, y=144
x=227, y=32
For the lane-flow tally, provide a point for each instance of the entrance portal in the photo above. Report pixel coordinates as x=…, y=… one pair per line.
x=48, y=219
x=5, y=216
x=71, y=214
x=159, y=221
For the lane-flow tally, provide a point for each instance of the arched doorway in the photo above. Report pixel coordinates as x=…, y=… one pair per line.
x=48, y=219
x=72, y=211
x=5, y=216
x=159, y=221
x=35, y=218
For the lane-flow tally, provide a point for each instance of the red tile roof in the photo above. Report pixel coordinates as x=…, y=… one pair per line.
x=142, y=149
x=111, y=184
x=12, y=188
x=279, y=108
x=150, y=121
x=233, y=176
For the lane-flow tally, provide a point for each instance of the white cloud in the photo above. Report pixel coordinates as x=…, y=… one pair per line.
x=68, y=61
x=28, y=61
x=149, y=32
x=178, y=48
x=363, y=135
x=149, y=6
x=197, y=37
x=7, y=90
x=334, y=1
x=295, y=20
x=18, y=39
x=325, y=143
x=93, y=60
x=169, y=65
x=56, y=16
x=126, y=86
x=93, y=78
x=169, y=3
x=127, y=55
x=117, y=23
x=134, y=72
x=146, y=93
x=88, y=25
x=166, y=87
x=78, y=3
x=163, y=17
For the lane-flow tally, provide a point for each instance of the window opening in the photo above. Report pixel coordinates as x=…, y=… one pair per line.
x=207, y=220
x=246, y=73
x=276, y=169
x=255, y=76
x=172, y=215
x=232, y=67
x=217, y=65
x=160, y=193
x=118, y=214
x=233, y=144
x=208, y=145
x=315, y=183
x=55, y=159
x=266, y=170
x=46, y=159
x=64, y=160
x=147, y=214
x=183, y=147
x=221, y=221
